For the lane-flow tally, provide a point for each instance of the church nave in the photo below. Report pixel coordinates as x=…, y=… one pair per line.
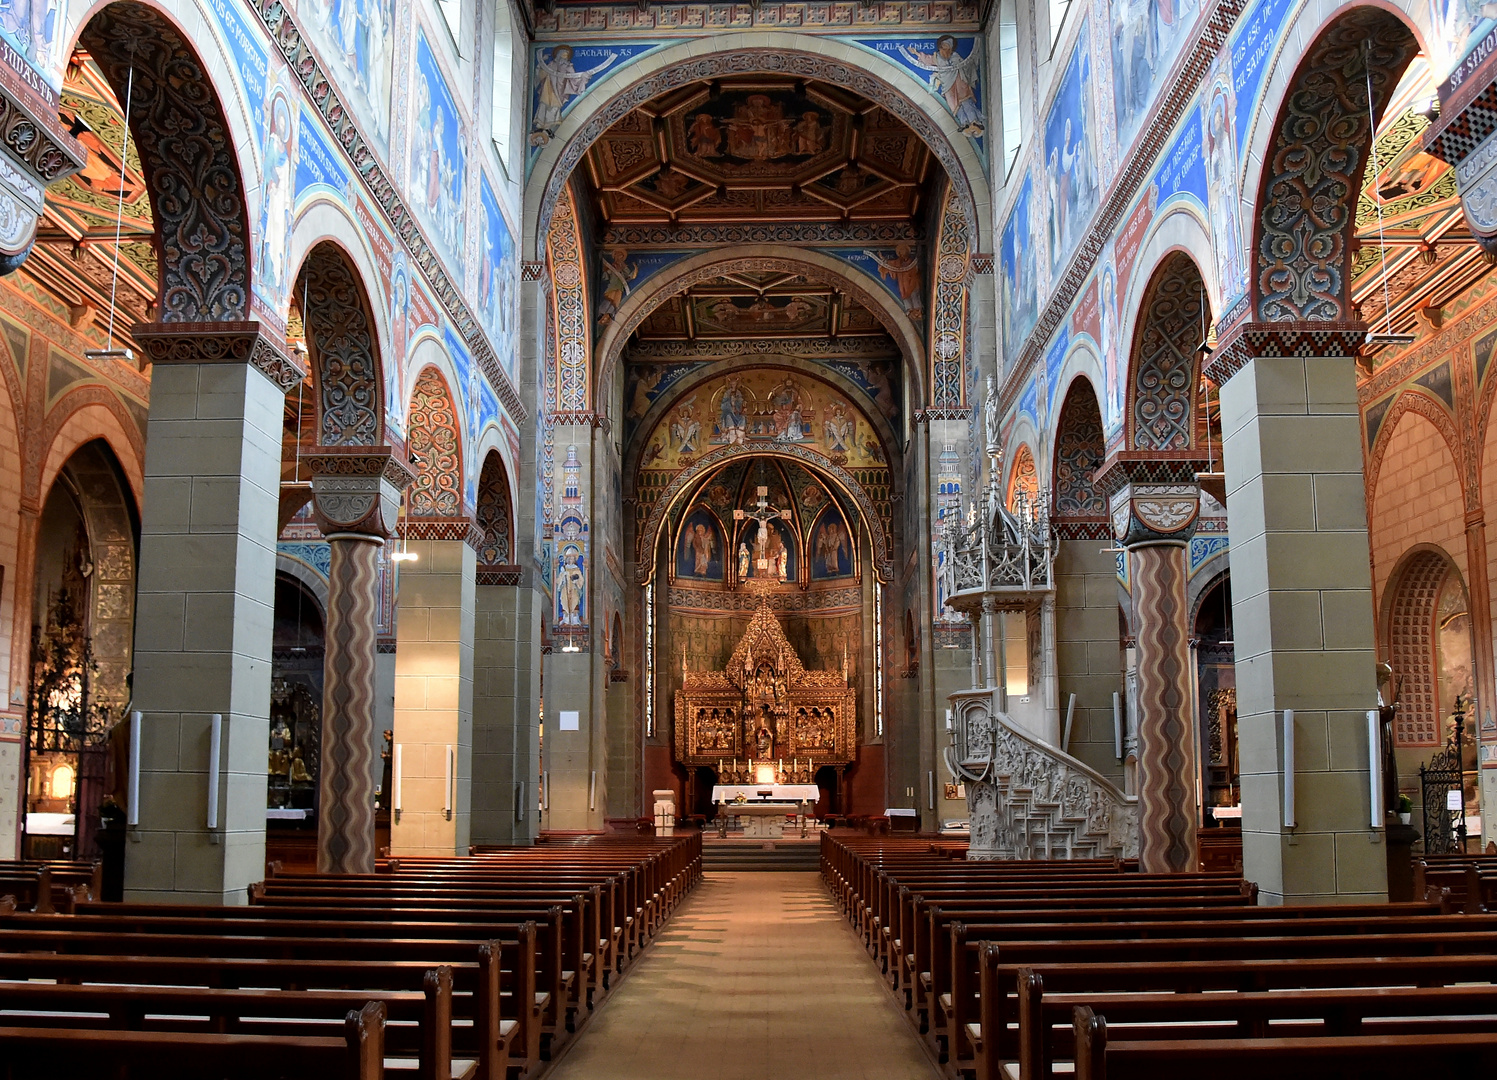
x=756, y=977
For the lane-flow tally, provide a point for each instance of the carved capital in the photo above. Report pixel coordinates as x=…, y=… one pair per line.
x=1155, y=513
x=356, y=489
x=1301, y=340
x=218, y=343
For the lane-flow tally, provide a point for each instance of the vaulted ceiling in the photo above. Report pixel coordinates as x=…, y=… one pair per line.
x=758, y=149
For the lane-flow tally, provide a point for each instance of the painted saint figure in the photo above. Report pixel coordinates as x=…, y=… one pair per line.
x=954, y=78
x=569, y=587
x=903, y=271
x=558, y=83
x=685, y=428
x=617, y=275
x=732, y=421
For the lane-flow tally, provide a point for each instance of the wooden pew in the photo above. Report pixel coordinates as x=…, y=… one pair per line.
x=478, y=995
x=1046, y=1032
x=45, y=1052
x=1381, y=1057
x=1472, y=880
x=418, y=1027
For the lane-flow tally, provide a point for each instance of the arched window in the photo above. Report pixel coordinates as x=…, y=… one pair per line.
x=502, y=116
x=1008, y=81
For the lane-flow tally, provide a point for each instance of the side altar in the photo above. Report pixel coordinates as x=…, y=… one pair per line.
x=766, y=719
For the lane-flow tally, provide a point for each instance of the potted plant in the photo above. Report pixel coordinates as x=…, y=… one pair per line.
x=1405, y=808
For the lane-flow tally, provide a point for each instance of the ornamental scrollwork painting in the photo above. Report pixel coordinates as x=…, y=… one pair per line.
x=187, y=154
x=437, y=446
x=1078, y=454
x=1169, y=334
x=1316, y=163
x=341, y=343
x=495, y=515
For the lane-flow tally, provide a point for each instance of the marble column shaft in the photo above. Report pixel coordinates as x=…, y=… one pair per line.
x=1154, y=506
x=356, y=499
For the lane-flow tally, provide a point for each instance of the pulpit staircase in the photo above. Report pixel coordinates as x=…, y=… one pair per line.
x=1029, y=799
x=1026, y=799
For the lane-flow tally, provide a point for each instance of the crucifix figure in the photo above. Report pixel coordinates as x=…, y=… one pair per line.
x=763, y=513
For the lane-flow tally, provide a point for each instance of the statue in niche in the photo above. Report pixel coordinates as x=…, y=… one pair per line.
x=743, y=561
x=992, y=419
x=764, y=738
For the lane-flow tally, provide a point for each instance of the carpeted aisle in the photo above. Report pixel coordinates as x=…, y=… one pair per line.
x=757, y=977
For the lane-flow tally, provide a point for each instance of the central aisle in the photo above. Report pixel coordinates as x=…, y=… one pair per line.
x=756, y=977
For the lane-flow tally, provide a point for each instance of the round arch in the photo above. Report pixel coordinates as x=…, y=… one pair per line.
x=187, y=142
x=343, y=347
x=861, y=70
x=1313, y=151
x=436, y=444
x=495, y=511
x=684, y=482
x=306, y=576
x=83, y=414
x=1022, y=475
x=663, y=404
x=1407, y=625
x=1076, y=453
x=1432, y=409
x=760, y=257
x=1164, y=358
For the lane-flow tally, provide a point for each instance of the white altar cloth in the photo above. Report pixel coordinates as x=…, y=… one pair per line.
x=787, y=793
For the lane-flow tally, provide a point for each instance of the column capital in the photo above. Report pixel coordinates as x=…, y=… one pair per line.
x=246, y=342
x=457, y=527
x=356, y=489
x=1153, y=495
x=1301, y=340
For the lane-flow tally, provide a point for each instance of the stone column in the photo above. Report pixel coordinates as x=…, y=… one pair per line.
x=1485, y=733
x=1155, y=522
x=205, y=600
x=356, y=501
x=1302, y=606
x=502, y=710
x=435, y=612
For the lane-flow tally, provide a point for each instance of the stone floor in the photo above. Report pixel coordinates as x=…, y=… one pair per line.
x=757, y=977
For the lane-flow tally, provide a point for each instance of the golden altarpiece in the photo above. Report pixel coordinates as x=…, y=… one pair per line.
x=766, y=719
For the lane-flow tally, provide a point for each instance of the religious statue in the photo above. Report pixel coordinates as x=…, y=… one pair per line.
x=299, y=772
x=569, y=588
x=763, y=740
x=743, y=561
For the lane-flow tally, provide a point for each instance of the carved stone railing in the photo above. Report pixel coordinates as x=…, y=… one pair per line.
x=1027, y=799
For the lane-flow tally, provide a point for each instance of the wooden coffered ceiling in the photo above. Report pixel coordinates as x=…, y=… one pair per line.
x=758, y=149
x=1412, y=251
x=776, y=305
x=75, y=253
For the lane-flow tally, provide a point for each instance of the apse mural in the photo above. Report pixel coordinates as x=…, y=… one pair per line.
x=762, y=406
x=831, y=549
x=768, y=550
x=699, y=552
x=439, y=154
x=356, y=40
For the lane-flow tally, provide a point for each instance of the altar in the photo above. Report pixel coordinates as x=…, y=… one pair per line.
x=766, y=723
x=764, y=807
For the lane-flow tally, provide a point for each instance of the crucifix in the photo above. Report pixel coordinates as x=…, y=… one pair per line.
x=763, y=513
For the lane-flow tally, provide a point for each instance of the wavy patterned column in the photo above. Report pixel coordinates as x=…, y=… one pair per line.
x=356, y=500
x=1155, y=520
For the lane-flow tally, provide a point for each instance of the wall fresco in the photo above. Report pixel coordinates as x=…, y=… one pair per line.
x=438, y=165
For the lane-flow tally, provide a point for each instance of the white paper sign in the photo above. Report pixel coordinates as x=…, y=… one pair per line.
x=1453, y=801
x=567, y=721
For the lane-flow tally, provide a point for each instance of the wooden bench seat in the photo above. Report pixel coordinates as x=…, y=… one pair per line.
x=1380, y=1057
x=40, y=1053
